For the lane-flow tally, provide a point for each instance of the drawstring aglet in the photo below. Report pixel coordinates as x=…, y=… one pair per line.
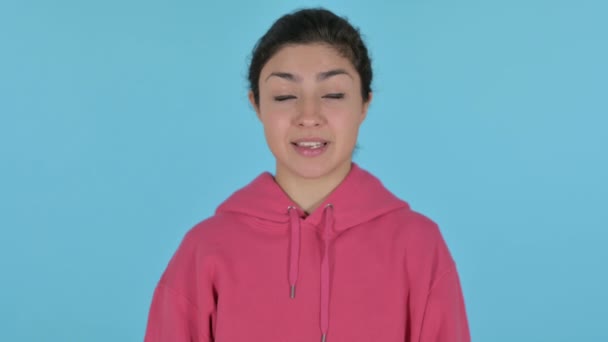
x=323, y=338
x=293, y=292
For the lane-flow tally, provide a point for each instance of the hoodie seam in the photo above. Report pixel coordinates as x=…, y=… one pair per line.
x=176, y=293
x=444, y=274
x=449, y=270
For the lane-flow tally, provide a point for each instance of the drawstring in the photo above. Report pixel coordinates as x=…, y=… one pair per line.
x=294, y=223
x=294, y=259
x=329, y=222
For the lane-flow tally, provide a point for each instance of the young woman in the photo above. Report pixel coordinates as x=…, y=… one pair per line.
x=319, y=251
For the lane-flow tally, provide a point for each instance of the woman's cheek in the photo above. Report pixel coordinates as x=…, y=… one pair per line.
x=284, y=109
x=279, y=117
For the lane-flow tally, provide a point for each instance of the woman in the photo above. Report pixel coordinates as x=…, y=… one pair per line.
x=319, y=251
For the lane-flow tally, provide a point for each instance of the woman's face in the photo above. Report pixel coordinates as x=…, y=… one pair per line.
x=311, y=107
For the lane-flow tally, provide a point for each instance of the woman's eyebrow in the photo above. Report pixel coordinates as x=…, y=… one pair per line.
x=327, y=74
x=284, y=75
x=320, y=76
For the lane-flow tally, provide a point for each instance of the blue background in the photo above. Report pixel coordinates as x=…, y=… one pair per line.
x=124, y=123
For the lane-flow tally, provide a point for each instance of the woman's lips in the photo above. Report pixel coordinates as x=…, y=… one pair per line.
x=310, y=139
x=310, y=147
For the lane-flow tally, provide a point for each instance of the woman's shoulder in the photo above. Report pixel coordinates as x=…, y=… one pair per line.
x=211, y=228
x=413, y=223
x=422, y=239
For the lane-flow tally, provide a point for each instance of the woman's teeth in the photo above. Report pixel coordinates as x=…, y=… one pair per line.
x=310, y=144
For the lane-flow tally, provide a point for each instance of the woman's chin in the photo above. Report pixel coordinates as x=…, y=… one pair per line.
x=311, y=170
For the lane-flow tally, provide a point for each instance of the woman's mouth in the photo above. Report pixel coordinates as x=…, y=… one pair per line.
x=310, y=148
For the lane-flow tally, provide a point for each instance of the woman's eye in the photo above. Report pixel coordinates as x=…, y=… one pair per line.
x=284, y=98
x=334, y=96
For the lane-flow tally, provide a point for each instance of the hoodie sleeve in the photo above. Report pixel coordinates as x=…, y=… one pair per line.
x=436, y=303
x=445, y=318
x=183, y=306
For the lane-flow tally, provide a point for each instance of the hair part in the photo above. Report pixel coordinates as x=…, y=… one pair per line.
x=309, y=26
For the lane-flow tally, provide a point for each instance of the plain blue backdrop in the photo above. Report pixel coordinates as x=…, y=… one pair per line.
x=124, y=123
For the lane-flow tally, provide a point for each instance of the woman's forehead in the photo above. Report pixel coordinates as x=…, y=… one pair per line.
x=321, y=61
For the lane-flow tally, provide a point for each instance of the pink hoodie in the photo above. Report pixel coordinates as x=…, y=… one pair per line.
x=362, y=267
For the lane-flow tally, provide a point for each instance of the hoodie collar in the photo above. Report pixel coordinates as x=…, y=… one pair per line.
x=359, y=198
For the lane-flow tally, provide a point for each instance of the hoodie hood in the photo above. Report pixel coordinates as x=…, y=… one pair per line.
x=359, y=198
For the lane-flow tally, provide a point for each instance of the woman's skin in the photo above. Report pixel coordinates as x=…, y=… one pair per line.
x=309, y=92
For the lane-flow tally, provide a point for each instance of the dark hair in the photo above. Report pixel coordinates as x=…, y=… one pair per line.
x=306, y=26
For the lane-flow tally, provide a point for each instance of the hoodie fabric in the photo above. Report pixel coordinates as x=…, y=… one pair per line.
x=362, y=267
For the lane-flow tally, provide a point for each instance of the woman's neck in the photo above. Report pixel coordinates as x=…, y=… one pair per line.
x=309, y=193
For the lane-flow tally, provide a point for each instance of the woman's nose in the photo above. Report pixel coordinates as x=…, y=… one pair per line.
x=309, y=113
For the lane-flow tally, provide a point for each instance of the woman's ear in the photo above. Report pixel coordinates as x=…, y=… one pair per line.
x=366, y=106
x=254, y=104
